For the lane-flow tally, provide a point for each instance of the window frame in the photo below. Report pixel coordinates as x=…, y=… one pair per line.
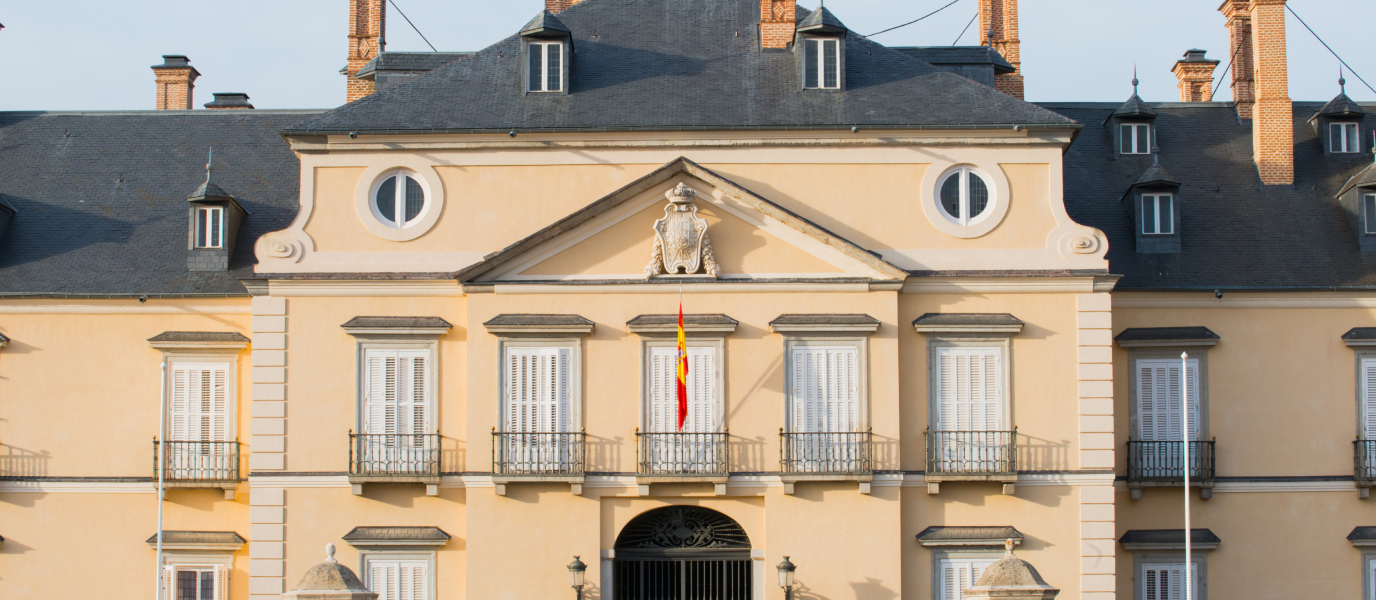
x=542, y=48
x=367, y=556
x=862, y=398
x=1368, y=212
x=999, y=341
x=1134, y=127
x=430, y=347
x=1361, y=357
x=227, y=358
x=961, y=170
x=718, y=346
x=821, y=45
x=399, y=199
x=1141, y=559
x=575, y=345
x=1168, y=221
x=973, y=554
x=1368, y=567
x=221, y=563
x=217, y=233
x=1136, y=354
x=1344, y=140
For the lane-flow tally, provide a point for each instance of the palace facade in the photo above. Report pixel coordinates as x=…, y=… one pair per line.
x=437, y=326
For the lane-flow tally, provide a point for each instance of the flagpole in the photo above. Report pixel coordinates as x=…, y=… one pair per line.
x=1185, y=411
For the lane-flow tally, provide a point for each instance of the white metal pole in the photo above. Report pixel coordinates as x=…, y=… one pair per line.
x=162, y=468
x=1185, y=410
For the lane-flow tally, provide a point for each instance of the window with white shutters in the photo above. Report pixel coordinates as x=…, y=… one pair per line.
x=959, y=574
x=825, y=389
x=399, y=579
x=1166, y=581
x=200, y=402
x=1159, y=400
x=195, y=582
x=1368, y=408
x=662, y=409
x=537, y=390
x=1371, y=579
x=397, y=392
x=969, y=389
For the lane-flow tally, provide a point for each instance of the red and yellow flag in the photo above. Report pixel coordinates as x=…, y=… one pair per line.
x=682, y=369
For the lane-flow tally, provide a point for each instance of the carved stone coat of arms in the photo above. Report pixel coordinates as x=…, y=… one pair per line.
x=681, y=243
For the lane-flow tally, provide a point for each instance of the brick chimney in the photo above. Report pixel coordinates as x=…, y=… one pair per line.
x=998, y=26
x=1195, y=75
x=778, y=23
x=1262, y=87
x=1239, y=15
x=367, y=37
x=555, y=6
x=176, y=80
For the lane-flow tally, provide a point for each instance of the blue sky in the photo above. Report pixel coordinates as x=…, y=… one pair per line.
x=95, y=54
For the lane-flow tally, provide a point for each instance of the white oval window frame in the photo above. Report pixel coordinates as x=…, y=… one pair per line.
x=986, y=222
x=430, y=183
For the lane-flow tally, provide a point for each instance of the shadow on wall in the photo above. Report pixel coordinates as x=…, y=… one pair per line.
x=453, y=455
x=1036, y=454
x=604, y=454
x=753, y=455
x=18, y=462
x=872, y=589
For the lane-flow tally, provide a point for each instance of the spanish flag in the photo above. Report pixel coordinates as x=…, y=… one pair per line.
x=682, y=370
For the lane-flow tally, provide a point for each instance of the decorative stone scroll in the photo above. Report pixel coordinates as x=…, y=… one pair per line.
x=681, y=243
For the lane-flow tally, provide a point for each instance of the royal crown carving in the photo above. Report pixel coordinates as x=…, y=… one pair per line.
x=681, y=243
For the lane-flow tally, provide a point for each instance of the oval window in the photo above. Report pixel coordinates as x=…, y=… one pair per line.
x=963, y=195
x=399, y=199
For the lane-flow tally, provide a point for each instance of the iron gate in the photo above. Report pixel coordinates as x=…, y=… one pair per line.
x=682, y=553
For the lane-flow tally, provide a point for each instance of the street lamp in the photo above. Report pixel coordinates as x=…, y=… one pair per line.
x=576, y=571
x=786, y=570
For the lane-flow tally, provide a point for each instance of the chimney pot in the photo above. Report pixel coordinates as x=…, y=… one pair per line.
x=176, y=82
x=1195, y=76
x=232, y=100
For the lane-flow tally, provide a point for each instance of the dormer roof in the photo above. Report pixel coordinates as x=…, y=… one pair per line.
x=545, y=24
x=1366, y=178
x=821, y=21
x=1339, y=107
x=1156, y=175
x=1135, y=108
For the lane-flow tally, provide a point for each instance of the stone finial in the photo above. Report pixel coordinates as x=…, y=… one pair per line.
x=330, y=580
x=1011, y=578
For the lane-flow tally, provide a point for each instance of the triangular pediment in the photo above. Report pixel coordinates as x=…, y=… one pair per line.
x=747, y=237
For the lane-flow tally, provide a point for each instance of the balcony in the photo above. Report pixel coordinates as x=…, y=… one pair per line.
x=971, y=456
x=830, y=456
x=681, y=457
x=1161, y=464
x=537, y=457
x=394, y=458
x=1364, y=461
x=198, y=465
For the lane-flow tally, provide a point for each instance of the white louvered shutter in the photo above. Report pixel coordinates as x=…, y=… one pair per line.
x=398, y=392
x=221, y=582
x=537, y=390
x=1158, y=399
x=398, y=579
x=200, y=402
x=169, y=581
x=826, y=392
x=1369, y=399
x=1166, y=581
x=958, y=575
x=969, y=389
x=663, y=401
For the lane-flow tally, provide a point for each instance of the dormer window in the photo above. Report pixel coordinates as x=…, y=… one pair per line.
x=210, y=227
x=545, y=69
x=1136, y=138
x=821, y=63
x=1369, y=212
x=1158, y=217
x=1344, y=138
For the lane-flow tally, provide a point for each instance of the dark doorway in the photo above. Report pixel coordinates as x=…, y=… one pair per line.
x=682, y=553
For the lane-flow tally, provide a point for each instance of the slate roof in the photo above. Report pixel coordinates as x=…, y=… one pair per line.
x=1235, y=233
x=101, y=197
x=199, y=336
x=946, y=535
x=656, y=320
x=1142, y=334
x=674, y=64
x=408, y=61
x=1003, y=319
x=1339, y=107
x=1168, y=536
x=825, y=319
x=396, y=322
x=197, y=537
x=396, y=534
x=958, y=55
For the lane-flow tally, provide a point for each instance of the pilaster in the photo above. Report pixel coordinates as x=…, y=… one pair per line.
x=267, y=506
x=1094, y=322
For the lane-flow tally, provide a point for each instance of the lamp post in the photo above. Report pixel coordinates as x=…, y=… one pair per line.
x=786, y=570
x=576, y=572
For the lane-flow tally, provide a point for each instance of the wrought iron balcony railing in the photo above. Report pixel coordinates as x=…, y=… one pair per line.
x=682, y=454
x=198, y=462
x=394, y=454
x=1364, y=457
x=972, y=453
x=1165, y=461
x=832, y=453
x=537, y=454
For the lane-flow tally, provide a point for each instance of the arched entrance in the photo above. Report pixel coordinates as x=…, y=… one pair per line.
x=682, y=553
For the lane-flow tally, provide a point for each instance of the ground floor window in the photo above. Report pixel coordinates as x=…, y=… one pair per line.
x=1166, y=581
x=955, y=575
x=196, y=582
x=399, y=579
